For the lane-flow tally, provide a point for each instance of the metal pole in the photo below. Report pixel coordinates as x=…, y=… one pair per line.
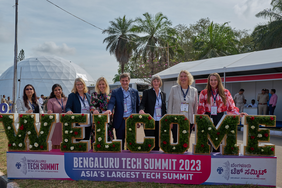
x=15, y=59
x=224, y=76
x=20, y=82
x=167, y=55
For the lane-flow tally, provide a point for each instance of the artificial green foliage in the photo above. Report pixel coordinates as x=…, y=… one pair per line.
x=131, y=122
x=255, y=135
x=183, y=137
x=70, y=132
x=227, y=128
x=15, y=139
x=100, y=144
x=38, y=142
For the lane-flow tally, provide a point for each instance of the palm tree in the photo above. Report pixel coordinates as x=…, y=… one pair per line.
x=216, y=40
x=269, y=35
x=156, y=33
x=120, y=40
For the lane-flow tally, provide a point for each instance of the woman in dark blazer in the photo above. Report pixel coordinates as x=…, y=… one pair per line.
x=154, y=103
x=79, y=102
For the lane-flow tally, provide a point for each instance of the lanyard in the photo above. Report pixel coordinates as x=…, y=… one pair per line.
x=158, y=98
x=61, y=104
x=82, y=100
x=124, y=98
x=32, y=106
x=184, y=95
x=214, y=97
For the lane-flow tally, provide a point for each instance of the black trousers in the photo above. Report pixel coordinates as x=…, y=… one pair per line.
x=120, y=134
x=154, y=133
x=87, y=132
x=216, y=119
x=174, y=132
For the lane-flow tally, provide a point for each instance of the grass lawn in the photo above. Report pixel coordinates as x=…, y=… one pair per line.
x=28, y=183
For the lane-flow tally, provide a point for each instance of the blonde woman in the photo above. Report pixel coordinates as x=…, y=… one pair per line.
x=79, y=102
x=99, y=102
x=183, y=99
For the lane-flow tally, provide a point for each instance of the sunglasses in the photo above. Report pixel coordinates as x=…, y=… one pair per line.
x=28, y=89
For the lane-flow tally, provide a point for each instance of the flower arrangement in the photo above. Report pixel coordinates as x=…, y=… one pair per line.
x=131, y=126
x=254, y=135
x=38, y=140
x=70, y=132
x=206, y=130
x=100, y=144
x=183, y=133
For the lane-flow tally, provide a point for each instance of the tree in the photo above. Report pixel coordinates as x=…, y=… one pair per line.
x=186, y=36
x=269, y=35
x=157, y=33
x=21, y=56
x=217, y=40
x=120, y=40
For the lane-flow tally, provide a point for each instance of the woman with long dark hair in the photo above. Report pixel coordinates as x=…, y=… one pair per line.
x=57, y=104
x=29, y=102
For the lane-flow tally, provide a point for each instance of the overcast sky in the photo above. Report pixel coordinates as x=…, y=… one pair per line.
x=46, y=30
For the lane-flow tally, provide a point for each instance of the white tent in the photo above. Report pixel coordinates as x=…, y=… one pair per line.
x=42, y=73
x=259, y=60
x=250, y=71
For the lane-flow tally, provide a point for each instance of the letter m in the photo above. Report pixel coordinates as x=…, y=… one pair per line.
x=226, y=131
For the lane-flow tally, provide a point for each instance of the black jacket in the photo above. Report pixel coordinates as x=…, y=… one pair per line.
x=149, y=100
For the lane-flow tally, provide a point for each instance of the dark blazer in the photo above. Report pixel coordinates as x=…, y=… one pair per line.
x=73, y=103
x=117, y=102
x=149, y=100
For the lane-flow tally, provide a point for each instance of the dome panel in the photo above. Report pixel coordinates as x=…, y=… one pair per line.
x=43, y=72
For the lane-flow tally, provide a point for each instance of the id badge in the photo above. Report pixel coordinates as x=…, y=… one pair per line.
x=158, y=111
x=214, y=110
x=184, y=107
x=125, y=107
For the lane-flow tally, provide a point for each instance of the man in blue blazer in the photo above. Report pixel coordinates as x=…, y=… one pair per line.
x=126, y=101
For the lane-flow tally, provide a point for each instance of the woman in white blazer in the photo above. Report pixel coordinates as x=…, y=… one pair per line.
x=29, y=102
x=183, y=99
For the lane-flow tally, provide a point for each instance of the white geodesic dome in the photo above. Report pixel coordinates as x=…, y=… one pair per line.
x=42, y=72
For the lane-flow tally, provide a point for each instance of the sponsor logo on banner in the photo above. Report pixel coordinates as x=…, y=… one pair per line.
x=243, y=170
x=125, y=166
x=35, y=165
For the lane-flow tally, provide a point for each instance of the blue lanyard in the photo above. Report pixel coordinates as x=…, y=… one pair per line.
x=61, y=104
x=32, y=106
x=184, y=95
x=214, y=97
x=124, y=98
x=82, y=100
x=158, y=98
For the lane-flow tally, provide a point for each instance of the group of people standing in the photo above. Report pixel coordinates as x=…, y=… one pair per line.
x=9, y=102
x=214, y=101
x=266, y=101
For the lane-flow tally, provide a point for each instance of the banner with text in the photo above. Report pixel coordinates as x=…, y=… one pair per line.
x=126, y=166
x=141, y=167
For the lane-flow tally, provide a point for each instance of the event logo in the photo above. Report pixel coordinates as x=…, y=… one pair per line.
x=219, y=170
x=226, y=170
x=33, y=165
x=22, y=165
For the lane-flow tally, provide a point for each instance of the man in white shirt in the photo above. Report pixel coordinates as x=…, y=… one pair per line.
x=41, y=100
x=253, y=104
